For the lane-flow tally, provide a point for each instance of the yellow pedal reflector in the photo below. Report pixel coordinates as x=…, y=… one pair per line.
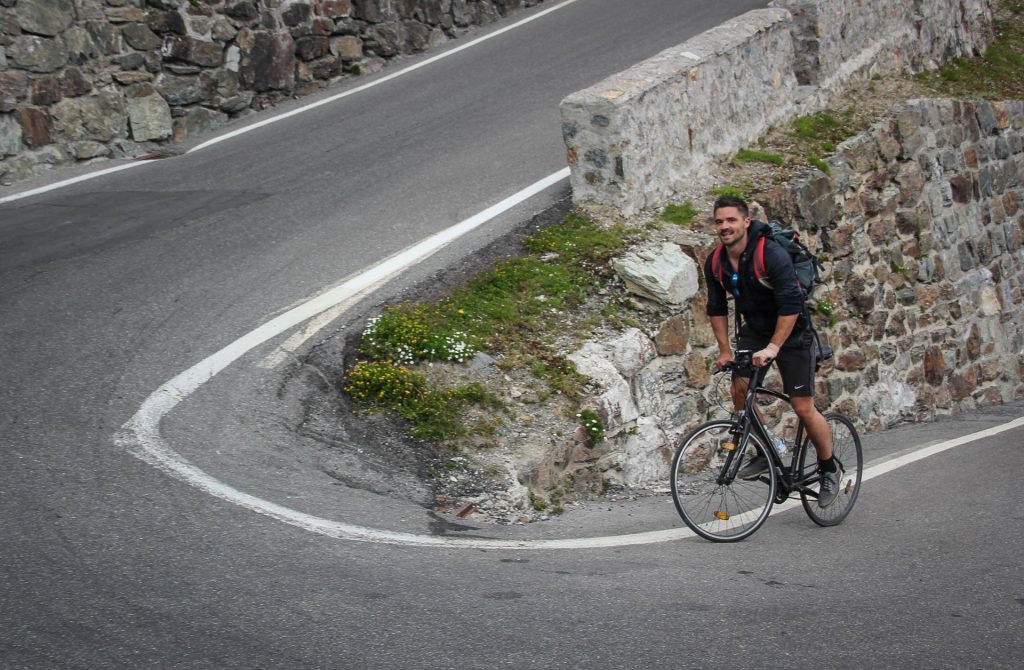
x=729, y=446
x=722, y=516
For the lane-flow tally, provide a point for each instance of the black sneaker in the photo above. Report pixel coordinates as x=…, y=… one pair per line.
x=754, y=468
x=828, y=489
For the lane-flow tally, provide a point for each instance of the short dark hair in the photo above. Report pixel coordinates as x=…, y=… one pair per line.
x=732, y=201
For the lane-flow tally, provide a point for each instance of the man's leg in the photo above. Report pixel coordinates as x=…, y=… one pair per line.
x=816, y=425
x=821, y=436
x=739, y=392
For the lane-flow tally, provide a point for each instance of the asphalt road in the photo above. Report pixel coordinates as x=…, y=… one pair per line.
x=111, y=287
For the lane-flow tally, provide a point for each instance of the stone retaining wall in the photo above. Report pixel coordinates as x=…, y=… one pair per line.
x=925, y=242
x=635, y=138
x=834, y=39
x=81, y=79
x=921, y=221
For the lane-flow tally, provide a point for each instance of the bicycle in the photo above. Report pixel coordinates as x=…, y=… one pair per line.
x=719, y=506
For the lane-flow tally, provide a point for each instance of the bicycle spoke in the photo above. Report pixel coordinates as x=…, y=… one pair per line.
x=717, y=511
x=846, y=451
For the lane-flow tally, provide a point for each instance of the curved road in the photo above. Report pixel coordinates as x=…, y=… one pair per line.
x=111, y=287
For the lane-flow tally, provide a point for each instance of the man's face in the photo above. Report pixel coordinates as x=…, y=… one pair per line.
x=731, y=226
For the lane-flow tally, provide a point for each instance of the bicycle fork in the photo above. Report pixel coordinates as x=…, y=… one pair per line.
x=736, y=449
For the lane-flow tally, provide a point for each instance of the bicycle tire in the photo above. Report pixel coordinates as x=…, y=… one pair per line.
x=847, y=450
x=717, y=511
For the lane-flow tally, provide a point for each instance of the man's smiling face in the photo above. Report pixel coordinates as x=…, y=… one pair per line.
x=731, y=227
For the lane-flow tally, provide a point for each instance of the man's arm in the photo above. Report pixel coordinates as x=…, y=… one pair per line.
x=720, y=327
x=783, y=327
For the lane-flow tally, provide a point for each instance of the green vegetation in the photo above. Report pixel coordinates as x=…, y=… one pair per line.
x=681, y=215
x=827, y=310
x=515, y=307
x=745, y=190
x=820, y=127
x=999, y=74
x=758, y=156
x=510, y=311
x=897, y=268
x=593, y=426
x=433, y=412
x=410, y=333
x=819, y=163
x=818, y=135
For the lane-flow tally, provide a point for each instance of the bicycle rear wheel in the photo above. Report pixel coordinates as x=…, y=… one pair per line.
x=850, y=459
x=712, y=505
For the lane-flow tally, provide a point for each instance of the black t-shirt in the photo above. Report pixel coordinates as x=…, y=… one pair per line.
x=759, y=305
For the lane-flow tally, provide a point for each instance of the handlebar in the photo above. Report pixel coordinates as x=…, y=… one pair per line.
x=743, y=359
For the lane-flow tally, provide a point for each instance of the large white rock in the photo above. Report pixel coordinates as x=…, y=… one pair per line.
x=615, y=404
x=644, y=460
x=630, y=352
x=662, y=273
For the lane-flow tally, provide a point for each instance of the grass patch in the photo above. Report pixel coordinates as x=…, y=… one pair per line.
x=745, y=190
x=410, y=333
x=435, y=413
x=759, y=157
x=818, y=135
x=828, y=310
x=999, y=74
x=681, y=215
x=592, y=426
x=820, y=164
x=820, y=127
x=509, y=311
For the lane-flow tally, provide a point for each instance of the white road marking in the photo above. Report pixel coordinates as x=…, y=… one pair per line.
x=381, y=80
x=288, y=347
x=140, y=435
x=73, y=180
x=297, y=111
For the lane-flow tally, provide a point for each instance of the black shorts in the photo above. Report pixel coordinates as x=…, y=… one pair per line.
x=796, y=360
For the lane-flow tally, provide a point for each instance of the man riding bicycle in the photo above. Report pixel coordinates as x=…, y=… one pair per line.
x=773, y=322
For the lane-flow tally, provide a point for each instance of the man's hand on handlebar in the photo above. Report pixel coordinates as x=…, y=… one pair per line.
x=723, y=360
x=766, y=355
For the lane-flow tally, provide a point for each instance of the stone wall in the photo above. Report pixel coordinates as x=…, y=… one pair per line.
x=920, y=220
x=926, y=218
x=81, y=79
x=631, y=137
x=635, y=138
x=834, y=39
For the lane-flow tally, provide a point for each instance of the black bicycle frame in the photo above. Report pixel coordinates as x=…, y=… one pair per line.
x=748, y=421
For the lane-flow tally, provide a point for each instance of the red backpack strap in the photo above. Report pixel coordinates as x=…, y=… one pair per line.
x=717, y=271
x=760, y=273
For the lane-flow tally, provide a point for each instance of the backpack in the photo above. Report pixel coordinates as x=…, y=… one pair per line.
x=806, y=264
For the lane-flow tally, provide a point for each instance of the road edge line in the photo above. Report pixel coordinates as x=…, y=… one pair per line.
x=286, y=115
x=379, y=81
x=140, y=435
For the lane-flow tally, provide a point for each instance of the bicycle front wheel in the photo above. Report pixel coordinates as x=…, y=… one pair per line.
x=711, y=502
x=850, y=459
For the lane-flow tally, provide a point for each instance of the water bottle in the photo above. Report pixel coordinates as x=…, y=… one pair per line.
x=780, y=444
